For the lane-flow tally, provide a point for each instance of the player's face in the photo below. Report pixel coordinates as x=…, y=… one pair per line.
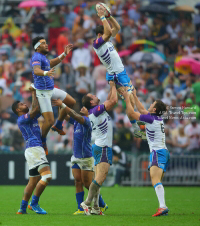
x=95, y=99
x=152, y=107
x=84, y=111
x=22, y=108
x=43, y=48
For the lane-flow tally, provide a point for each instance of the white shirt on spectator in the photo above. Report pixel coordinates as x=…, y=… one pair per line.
x=81, y=56
x=173, y=32
x=193, y=132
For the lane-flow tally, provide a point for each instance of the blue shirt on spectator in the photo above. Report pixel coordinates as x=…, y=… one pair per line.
x=69, y=19
x=42, y=82
x=82, y=138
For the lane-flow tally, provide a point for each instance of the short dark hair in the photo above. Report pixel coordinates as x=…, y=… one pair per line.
x=86, y=101
x=161, y=108
x=99, y=29
x=36, y=40
x=15, y=106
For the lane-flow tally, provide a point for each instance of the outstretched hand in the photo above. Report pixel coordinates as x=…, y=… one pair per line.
x=56, y=102
x=125, y=94
x=68, y=49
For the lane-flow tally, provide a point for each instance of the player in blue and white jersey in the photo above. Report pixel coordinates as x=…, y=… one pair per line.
x=42, y=70
x=155, y=133
x=107, y=53
x=82, y=159
x=39, y=169
x=102, y=130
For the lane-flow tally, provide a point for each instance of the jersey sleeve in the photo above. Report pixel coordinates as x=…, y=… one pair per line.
x=98, y=110
x=147, y=118
x=87, y=122
x=71, y=120
x=25, y=118
x=36, y=60
x=98, y=42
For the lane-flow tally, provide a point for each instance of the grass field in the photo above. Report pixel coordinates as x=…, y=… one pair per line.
x=127, y=206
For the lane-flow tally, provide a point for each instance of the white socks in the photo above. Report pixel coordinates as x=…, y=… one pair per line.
x=160, y=192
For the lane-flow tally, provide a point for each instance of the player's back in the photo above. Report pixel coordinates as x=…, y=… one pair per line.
x=155, y=132
x=41, y=82
x=30, y=130
x=82, y=138
x=108, y=56
x=102, y=128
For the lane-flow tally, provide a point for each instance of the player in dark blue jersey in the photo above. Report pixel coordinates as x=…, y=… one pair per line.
x=82, y=160
x=42, y=70
x=39, y=170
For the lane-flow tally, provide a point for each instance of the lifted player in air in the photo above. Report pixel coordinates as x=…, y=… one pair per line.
x=39, y=170
x=110, y=58
x=42, y=70
x=82, y=160
x=102, y=130
x=155, y=133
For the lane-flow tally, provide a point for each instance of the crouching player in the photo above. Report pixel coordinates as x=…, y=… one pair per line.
x=155, y=133
x=39, y=170
x=82, y=160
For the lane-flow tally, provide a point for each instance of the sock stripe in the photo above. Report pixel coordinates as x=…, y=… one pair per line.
x=157, y=184
x=94, y=181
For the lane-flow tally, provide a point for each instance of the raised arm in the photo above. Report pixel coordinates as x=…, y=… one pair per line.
x=112, y=101
x=39, y=72
x=115, y=26
x=58, y=59
x=132, y=115
x=107, y=29
x=138, y=104
x=69, y=112
x=35, y=105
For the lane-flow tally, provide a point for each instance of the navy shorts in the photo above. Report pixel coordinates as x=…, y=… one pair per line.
x=101, y=154
x=159, y=158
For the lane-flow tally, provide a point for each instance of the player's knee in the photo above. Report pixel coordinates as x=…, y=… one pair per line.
x=78, y=183
x=50, y=121
x=45, y=179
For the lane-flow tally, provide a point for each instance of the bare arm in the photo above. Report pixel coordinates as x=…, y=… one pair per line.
x=138, y=104
x=115, y=26
x=57, y=60
x=39, y=72
x=109, y=104
x=132, y=115
x=35, y=106
x=107, y=29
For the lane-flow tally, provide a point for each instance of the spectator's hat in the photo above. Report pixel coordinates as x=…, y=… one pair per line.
x=82, y=65
x=116, y=149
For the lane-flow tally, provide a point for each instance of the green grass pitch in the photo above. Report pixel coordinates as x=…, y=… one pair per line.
x=127, y=206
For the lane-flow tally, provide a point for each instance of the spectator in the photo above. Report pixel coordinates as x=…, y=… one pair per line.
x=9, y=25
x=69, y=17
x=38, y=22
x=196, y=90
x=81, y=55
x=190, y=46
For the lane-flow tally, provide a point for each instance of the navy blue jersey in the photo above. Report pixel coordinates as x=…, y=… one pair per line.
x=30, y=130
x=82, y=138
x=42, y=82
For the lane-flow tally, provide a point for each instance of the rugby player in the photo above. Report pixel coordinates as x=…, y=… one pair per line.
x=39, y=169
x=110, y=58
x=102, y=130
x=42, y=70
x=155, y=133
x=82, y=160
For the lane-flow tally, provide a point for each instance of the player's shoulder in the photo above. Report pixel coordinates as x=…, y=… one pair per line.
x=97, y=110
x=98, y=42
x=22, y=118
x=36, y=56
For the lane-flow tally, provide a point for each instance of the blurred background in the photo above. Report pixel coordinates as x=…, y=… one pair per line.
x=159, y=44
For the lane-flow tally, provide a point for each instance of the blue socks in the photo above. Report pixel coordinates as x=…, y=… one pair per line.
x=59, y=124
x=43, y=139
x=101, y=202
x=133, y=121
x=24, y=205
x=80, y=199
x=35, y=200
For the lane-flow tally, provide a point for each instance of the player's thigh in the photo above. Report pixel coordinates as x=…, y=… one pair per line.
x=64, y=96
x=33, y=181
x=101, y=172
x=156, y=174
x=77, y=174
x=87, y=177
x=44, y=99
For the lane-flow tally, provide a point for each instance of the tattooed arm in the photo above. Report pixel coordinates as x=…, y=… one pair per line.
x=35, y=105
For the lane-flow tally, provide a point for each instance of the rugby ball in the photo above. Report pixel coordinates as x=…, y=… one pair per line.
x=107, y=11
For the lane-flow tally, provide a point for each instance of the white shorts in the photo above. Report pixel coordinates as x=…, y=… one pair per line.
x=83, y=163
x=35, y=156
x=45, y=96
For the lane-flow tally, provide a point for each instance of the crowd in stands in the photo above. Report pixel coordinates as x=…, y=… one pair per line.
x=81, y=71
